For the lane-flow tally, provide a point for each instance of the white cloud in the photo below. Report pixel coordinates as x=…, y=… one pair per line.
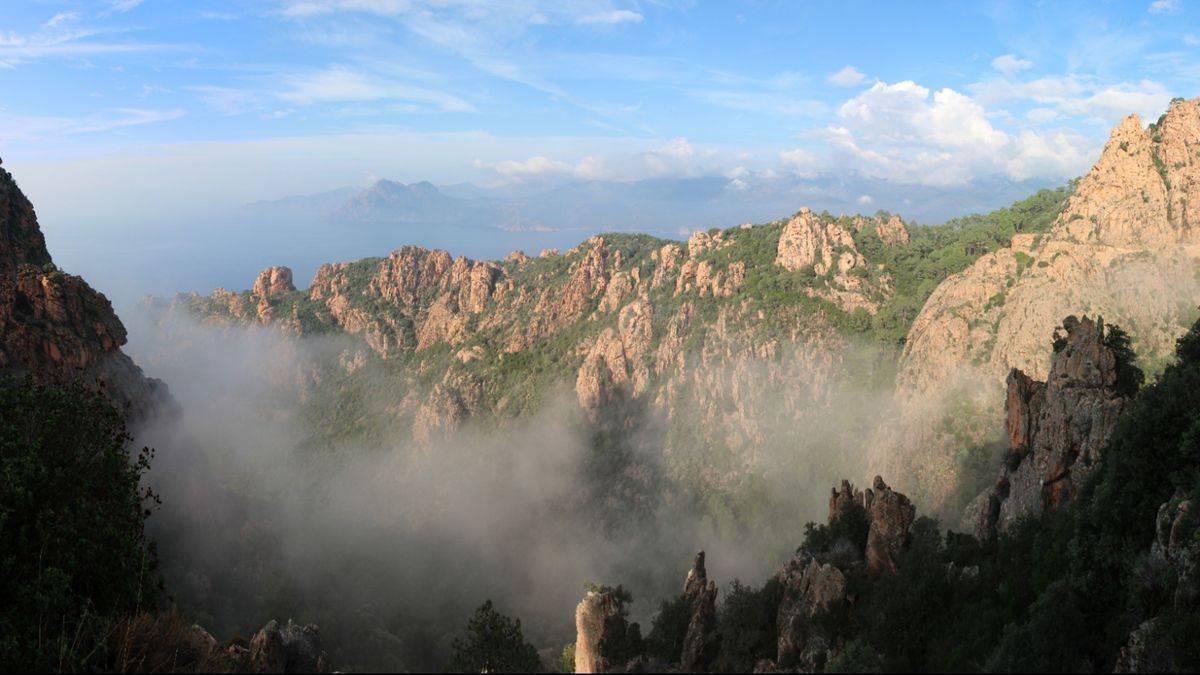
x=676, y=158
x=22, y=128
x=847, y=77
x=62, y=36
x=800, y=162
x=1164, y=6
x=538, y=165
x=905, y=133
x=119, y=7
x=1058, y=154
x=340, y=84
x=1042, y=115
x=611, y=18
x=1080, y=96
x=1010, y=64
x=1191, y=40
x=866, y=200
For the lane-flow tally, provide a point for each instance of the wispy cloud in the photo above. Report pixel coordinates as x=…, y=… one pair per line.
x=63, y=36
x=1010, y=64
x=847, y=77
x=341, y=84
x=1164, y=7
x=27, y=128
x=610, y=18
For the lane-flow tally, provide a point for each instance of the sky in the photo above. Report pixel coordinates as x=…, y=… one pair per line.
x=117, y=111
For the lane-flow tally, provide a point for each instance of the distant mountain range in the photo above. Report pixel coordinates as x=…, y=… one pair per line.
x=657, y=206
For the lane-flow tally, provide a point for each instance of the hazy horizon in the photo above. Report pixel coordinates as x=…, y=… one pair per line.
x=141, y=129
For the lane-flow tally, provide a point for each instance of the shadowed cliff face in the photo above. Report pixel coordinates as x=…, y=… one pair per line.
x=1126, y=247
x=1056, y=431
x=52, y=324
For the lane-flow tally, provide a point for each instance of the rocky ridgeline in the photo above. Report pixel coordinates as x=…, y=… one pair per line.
x=1056, y=430
x=1125, y=246
x=54, y=325
x=670, y=324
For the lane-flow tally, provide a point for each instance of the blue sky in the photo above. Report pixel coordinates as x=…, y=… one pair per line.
x=118, y=111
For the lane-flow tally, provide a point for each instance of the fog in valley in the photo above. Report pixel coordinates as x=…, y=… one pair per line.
x=389, y=544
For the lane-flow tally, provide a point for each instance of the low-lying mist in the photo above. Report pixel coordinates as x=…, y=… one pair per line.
x=390, y=545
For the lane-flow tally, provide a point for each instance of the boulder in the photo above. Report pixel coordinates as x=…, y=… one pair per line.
x=294, y=648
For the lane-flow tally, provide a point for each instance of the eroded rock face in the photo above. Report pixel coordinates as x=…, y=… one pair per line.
x=843, y=500
x=808, y=241
x=701, y=645
x=1056, y=430
x=891, y=230
x=809, y=588
x=1125, y=247
x=891, y=515
x=52, y=324
x=273, y=281
x=594, y=617
x=1174, y=557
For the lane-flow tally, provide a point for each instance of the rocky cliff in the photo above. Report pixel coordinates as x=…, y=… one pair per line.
x=1055, y=429
x=52, y=324
x=1125, y=246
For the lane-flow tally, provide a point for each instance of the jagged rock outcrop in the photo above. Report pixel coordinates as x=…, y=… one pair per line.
x=598, y=622
x=843, y=500
x=828, y=249
x=810, y=587
x=1125, y=247
x=273, y=281
x=1175, y=558
x=53, y=324
x=701, y=644
x=1056, y=430
x=890, y=515
x=166, y=642
x=891, y=231
x=293, y=648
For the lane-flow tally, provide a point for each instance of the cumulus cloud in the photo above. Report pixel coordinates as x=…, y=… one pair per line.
x=847, y=77
x=906, y=133
x=1010, y=64
x=1079, y=96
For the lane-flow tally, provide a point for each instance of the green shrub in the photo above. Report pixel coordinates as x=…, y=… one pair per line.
x=747, y=625
x=493, y=644
x=669, y=628
x=74, y=556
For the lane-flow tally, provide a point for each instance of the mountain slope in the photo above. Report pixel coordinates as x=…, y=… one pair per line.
x=1126, y=246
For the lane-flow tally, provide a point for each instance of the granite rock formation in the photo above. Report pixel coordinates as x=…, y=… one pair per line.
x=1056, y=430
x=53, y=325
